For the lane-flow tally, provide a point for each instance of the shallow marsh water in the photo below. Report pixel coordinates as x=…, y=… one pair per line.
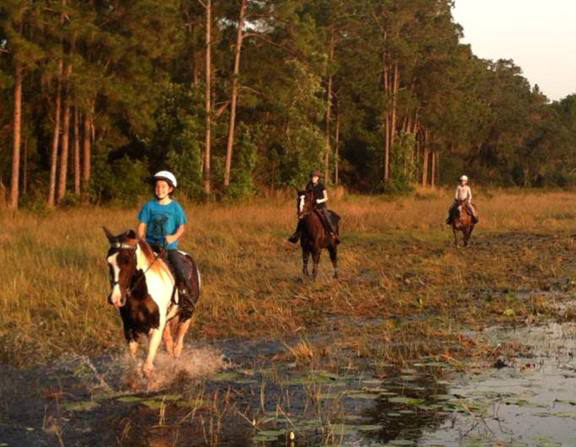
x=239, y=393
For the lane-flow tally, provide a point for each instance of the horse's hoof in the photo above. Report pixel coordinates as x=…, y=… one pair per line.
x=148, y=371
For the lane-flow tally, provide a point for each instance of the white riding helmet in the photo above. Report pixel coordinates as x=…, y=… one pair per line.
x=463, y=178
x=167, y=176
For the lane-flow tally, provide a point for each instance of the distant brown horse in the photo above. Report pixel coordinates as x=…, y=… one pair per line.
x=461, y=220
x=315, y=235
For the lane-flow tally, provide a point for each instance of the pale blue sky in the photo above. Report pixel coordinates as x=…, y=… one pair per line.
x=539, y=35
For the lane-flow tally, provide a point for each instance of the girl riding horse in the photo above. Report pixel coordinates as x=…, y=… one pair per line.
x=162, y=224
x=463, y=196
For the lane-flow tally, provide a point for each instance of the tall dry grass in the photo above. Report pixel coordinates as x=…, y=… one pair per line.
x=396, y=260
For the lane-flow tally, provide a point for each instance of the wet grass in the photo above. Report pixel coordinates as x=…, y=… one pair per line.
x=397, y=265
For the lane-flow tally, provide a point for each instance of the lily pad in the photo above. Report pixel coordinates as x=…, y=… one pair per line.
x=88, y=405
x=368, y=428
x=405, y=400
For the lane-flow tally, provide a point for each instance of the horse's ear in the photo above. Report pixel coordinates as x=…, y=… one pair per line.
x=109, y=234
x=131, y=234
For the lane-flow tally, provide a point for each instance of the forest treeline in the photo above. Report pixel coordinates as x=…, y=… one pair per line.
x=239, y=95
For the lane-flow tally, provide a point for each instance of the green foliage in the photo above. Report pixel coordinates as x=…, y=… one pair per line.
x=138, y=68
x=242, y=181
x=403, y=165
x=176, y=142
x=119, y=181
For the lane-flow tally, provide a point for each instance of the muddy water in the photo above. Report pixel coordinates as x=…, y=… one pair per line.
x=242, y=393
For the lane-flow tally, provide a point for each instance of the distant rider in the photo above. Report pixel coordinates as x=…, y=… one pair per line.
x=463, y=194
x=321, y=199
x=162, y=224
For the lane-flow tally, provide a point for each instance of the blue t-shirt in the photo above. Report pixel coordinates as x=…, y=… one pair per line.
x=161, y=221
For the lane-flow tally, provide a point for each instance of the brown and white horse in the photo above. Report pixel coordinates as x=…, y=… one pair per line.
x=314, y=235
x=143, y=291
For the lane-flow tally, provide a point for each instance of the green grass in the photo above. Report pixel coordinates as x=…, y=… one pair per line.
x=397, y=261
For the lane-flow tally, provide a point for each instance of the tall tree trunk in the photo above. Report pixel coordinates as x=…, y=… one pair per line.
x=386, y=82
x=87, y=152
x=433, y=170
x=2, y=193
x=329, y=95
x=234, y=93
x=17, y=125
x=394, y=111
x=77, y=173
x=25, y=165
x=208, y=94
x=55, y=138
x=425, y=158
x=337, y=149
x=64, y=153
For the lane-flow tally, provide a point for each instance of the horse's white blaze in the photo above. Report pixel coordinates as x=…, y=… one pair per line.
x=301, y=204
x=116, y=294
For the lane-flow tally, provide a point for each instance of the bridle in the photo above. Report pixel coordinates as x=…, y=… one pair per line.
x=125, y=246
x=306, y=210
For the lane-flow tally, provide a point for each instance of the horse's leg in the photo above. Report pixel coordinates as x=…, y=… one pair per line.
x=181, y=330
x=316, y=259
x=334, y=258
x=468, y=234
x=168, y=338
x=133, y=349
x=455, y=237
x=305, y=257
x=155, y=337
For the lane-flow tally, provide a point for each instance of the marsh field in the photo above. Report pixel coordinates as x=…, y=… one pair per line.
x=385, y=355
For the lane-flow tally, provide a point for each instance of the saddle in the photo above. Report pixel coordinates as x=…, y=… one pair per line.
x=190, y=272
x=333, y=217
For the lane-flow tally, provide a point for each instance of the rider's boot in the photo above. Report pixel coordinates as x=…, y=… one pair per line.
x=335, y=238
x=472, y=212
x=296, y=236
x=330, y=226
x=185, y=301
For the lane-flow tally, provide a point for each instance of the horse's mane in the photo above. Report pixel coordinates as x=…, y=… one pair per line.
x=154, y=263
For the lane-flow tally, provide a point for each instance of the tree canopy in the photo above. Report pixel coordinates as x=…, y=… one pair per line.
x=236, y=96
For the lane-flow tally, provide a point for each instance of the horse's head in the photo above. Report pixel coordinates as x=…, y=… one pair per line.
x=121, y=260
x=304, y=203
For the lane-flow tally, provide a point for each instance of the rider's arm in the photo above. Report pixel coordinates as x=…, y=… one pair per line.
x=469, y=195
x=142, y=230
x=177, y=235
x=323, y=199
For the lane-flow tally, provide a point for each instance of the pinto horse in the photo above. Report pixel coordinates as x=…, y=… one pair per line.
x=461, y=220
x=314, y=235
x=143, y=289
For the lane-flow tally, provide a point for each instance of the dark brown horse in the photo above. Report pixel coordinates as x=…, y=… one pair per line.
x=461, y=220
x=314, y=236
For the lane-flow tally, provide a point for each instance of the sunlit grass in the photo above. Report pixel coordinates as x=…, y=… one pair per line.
x=396, y=261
